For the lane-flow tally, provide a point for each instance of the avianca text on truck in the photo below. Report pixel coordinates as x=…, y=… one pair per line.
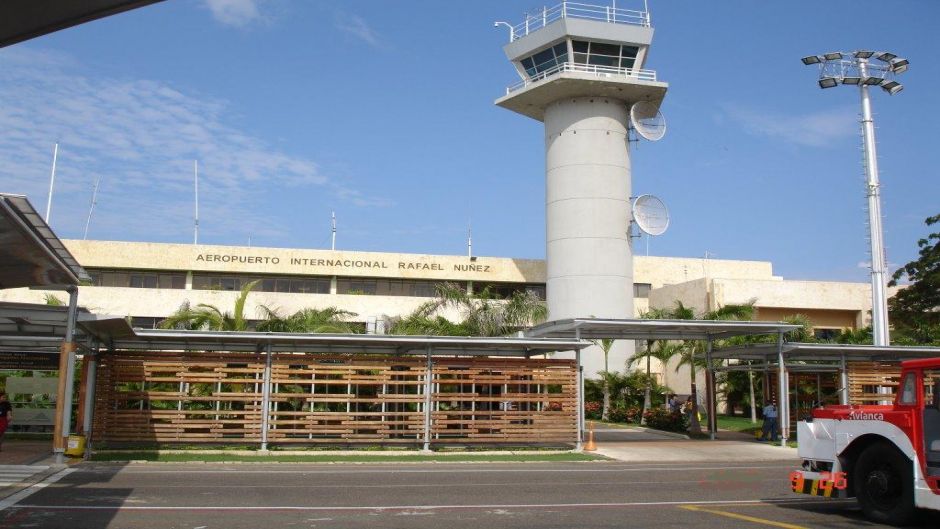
x=888, y=457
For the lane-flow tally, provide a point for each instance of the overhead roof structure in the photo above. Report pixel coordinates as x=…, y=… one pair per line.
x=33, y=256
x=33, y=327
x=343, y=343
x=26, y=19
x=643, y=329
x=794, y=352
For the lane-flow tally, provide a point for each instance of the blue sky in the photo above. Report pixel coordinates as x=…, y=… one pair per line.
x=383, y=112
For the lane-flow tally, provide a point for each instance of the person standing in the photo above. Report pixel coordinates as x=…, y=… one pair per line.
x=770, y=422
x=6, y=415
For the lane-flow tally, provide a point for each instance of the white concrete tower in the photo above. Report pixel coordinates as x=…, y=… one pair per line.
x=581, y=69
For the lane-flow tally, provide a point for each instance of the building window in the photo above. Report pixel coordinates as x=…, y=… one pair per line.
x=641, y=290
x=506, y=290
x=546, y=59
x=356, y=286
x=137, y=279
x=826, y=335
x=603, y=54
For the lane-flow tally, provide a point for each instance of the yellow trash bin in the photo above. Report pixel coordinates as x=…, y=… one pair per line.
x=75, y=446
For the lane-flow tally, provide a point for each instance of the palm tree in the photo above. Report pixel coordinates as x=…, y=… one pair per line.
x=482, y=314
x=210, y=317
x=309, y=320
x=691, y=354
x=605, y=344
x=652, y=314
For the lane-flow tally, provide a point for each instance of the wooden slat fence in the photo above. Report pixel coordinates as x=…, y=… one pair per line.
x=866, y=377
x=165, y=397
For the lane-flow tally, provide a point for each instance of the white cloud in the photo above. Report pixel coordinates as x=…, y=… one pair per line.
x=141, y=136
x=813, y=130
x=357, y=27
x=237, y=13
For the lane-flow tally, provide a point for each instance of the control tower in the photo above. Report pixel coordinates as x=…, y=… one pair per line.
x=581, y=69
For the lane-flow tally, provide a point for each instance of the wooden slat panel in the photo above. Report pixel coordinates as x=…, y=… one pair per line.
x=167, y=397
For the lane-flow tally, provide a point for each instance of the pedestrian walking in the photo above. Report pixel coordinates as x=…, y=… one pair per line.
x=6, y=415
x=770, y=422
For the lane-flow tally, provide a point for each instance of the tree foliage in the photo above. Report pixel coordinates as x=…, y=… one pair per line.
x=308, y=320
x=481, y=314
x=915, y=310
x=209, y=317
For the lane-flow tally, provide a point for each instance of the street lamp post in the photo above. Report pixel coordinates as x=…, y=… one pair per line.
x=856, y=69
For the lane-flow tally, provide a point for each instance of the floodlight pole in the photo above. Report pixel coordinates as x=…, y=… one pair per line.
x=879, y=300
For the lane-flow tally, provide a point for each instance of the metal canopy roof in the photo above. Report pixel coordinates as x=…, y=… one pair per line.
x=158, y=339
x=26, y=19
x=33, y=256
x=642, y=329
x=819, y=352
x=34, y=327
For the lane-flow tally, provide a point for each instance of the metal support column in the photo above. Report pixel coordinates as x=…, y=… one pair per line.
x=63, y=420
x=266, y=398
x=580, y=393
x=91, y=360
x=710, y=390
x=783, y=396
x=843, y=381
x=428, y=373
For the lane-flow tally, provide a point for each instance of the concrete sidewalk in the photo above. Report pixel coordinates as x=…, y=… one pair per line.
x=676, y=450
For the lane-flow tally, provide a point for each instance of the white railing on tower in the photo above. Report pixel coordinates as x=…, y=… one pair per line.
x=547, y=15
x=590, y=69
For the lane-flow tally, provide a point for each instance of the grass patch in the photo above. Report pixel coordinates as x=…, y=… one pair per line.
x=738, y=424
x=326, y=458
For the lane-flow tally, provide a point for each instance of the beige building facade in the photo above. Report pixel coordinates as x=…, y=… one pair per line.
x=149, y=281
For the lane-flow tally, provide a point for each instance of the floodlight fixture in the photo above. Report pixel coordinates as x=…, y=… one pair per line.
x=853, y=80
x=872, y=81
x=833, y=56
x=885, y=56
x=892, y=87
x=863, y=54
x=811, y=59
x=899, y=65
x=828, y=82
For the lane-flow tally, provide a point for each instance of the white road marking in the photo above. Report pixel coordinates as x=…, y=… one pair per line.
x=13, y=474
x=346, y=470
x=34, y=488
x=412, y=507
x=716, y=482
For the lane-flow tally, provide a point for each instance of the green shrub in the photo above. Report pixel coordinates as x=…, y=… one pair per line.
x=665, y=420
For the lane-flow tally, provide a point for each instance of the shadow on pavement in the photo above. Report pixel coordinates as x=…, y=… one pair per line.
x=68, y=495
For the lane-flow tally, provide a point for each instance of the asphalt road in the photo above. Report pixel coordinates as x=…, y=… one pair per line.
x=452, y=496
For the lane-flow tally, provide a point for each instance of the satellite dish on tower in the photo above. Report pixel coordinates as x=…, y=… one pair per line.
x=650, y=215
x=647, y=120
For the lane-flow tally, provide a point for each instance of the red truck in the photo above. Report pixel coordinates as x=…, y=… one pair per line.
x=888, y=457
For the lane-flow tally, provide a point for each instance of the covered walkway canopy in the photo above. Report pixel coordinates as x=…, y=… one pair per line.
x=811, y=357
x=34, y=257
x=643, y=329
x=26, y=19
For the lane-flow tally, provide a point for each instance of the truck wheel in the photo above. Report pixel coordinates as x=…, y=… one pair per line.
x=884, y=484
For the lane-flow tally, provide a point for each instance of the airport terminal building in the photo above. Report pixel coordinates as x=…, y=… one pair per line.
x=149, y=281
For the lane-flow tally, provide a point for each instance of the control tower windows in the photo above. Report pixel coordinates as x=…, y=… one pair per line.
x=546, y=59
x=603, y=54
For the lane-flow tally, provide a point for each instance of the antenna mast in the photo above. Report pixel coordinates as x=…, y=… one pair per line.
x=196, y=218
x=91, y=209
x=469, y=239
x=55, y=154
x=333, y=230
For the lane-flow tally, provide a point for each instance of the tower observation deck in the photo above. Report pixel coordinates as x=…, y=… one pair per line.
x=581, y=68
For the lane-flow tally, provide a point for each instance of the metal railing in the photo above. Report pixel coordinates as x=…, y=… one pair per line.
x=547, y=15
x=610, y=72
